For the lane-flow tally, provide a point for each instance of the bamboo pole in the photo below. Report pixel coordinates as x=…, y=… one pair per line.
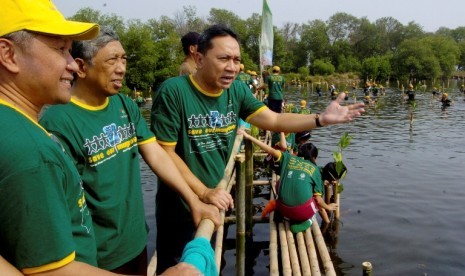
x=206, y=226
x=303, y=254
x=322, y=249
x=256, y=219
x=337, y=199
x=367, y=269
x=261, y=182
x=249, y=208
x=274, y=267
x=292, y=250
x=220, y=231
x=152, y=267
x=240, y=213
x=313, y=258
x=285, y=258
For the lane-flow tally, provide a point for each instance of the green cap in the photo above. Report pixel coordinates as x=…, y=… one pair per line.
x=300, y=226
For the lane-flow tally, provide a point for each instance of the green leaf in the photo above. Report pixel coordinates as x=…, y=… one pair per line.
x=337, y=156
x=340, y=188
x=339, y=166
x=344, y=142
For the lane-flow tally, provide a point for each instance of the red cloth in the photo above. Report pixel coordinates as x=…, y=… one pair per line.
x=300, y=212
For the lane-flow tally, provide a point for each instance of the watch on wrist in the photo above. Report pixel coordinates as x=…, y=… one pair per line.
x=317, y=120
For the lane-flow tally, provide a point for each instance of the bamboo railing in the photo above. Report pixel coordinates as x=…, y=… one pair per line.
x=206, y=226
x=299, y=252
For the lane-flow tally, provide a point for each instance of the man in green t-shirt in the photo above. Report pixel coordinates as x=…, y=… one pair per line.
x=195, y=119
x=45, y=224
x=275, y=83
x=104, y=132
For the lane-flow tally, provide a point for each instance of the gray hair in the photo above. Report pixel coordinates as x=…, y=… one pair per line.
x=21, y=38
x=87, y=49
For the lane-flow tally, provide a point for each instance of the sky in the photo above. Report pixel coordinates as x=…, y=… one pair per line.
x=430, y=14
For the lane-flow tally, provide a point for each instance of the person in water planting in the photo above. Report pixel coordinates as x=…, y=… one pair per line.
x=410, y=93
x=445, y=101
x=105, y=132
x=300, y=188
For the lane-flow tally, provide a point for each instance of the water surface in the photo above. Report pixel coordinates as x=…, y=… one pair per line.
x=404, y=197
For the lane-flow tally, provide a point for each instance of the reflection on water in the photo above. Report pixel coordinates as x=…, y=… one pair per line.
x=402, y=206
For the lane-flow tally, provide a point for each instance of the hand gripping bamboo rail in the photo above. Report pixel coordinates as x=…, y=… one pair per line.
x=206, y=226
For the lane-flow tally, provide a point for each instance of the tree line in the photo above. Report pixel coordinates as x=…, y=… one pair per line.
x=380, y=51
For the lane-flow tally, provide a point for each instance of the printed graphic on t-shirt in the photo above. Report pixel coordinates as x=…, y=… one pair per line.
x=109, y=142
x=210, y=132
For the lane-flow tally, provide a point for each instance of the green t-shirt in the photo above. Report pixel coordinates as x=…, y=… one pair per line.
x=43, y=210
x=304, y=110
x=290, y=140
x=103, y=142
x=245, y=78
x=275, y=86
x=299, y=181
x=202, y=127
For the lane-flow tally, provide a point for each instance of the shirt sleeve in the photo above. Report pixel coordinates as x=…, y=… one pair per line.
x=165, y=114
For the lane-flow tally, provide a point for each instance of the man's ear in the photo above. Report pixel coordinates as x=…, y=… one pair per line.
x=199, y=59
x=8, y=56
x=82, y=71
x=192, y=49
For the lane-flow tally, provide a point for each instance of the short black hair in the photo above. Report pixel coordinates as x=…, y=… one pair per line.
x=330, y=173
x=308, y=151
x=302, y=136
x=191, y=38
x=204, y=43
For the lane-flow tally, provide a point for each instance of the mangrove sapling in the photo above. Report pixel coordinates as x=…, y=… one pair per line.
x=344, y=142
x=337, y=156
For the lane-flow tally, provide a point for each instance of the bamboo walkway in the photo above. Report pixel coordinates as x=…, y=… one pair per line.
x=304, y=253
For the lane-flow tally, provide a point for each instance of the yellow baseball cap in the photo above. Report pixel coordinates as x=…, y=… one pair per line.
x=41, y=16
x=276, y=68
x=303, y=103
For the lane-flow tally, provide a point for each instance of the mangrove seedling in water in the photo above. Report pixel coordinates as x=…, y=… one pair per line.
x=344, y=142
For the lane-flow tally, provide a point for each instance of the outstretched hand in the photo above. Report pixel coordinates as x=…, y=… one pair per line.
x=335, y=113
